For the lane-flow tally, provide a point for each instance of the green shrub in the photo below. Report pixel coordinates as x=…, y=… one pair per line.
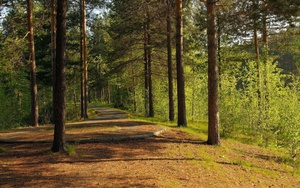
x=272, y=118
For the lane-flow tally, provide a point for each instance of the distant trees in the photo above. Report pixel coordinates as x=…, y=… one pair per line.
x=136, y=50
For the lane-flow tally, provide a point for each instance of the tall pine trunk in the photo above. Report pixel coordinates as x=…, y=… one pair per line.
x=60, y=79
x=149, y=109
x=170, y=63
x=256, y=48
x=179, y=63
x=33, y=85
x=265, y=58
x=53, y=45
x=264, y=20
x=146, y=73
x=213, y=107
x=84, y=76
x=149, y=59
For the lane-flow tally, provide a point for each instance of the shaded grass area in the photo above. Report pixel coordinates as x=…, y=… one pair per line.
x=198, y=131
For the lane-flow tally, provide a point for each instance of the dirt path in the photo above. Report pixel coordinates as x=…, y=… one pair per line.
x=172, y=159
x=113, y=123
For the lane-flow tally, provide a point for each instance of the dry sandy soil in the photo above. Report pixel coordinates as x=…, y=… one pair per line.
x=108, y=153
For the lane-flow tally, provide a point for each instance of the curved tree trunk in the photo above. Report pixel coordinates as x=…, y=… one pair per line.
x=33, y=85
x=60, y=79
x=179, y=62
x=213, y=108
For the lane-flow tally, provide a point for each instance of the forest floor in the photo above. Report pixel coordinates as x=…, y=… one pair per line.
x=106, y=152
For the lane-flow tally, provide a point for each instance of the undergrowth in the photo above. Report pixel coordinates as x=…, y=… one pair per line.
x=70, y=149
x=2, y=149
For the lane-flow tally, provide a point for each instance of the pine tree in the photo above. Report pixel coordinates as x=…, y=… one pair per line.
x=83, y=54
x=213, y=108
x=60, y=79
x=180, y=67
x=170, y=63
x=33, y=84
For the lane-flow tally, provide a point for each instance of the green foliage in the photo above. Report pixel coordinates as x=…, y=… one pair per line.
x=13, y=88
x=273, y=123
x=73, y=112
x=17, y=113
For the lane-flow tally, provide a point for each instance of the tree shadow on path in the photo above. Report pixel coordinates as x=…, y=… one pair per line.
x=109, y=125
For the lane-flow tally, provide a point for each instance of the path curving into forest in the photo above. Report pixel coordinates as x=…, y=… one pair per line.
x=108, y=125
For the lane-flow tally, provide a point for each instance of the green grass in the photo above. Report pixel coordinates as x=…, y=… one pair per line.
x=199, y=128
x=102, y=104
x=154, y=120
x=193, y=126
x=70, y=149
x=2, y=150
x=244, y=163
x=92, y=113
x=195, y=131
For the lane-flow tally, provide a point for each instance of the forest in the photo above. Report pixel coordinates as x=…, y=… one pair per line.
x=230, y=64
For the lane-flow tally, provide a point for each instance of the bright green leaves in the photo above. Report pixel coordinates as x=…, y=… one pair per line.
x=275, y=123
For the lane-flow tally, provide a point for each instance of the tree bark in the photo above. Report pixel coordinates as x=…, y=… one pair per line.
x=219, y=54
x=265, y=29
x=149, y=109
x=134, y=92
x=32, y=63
x=84, y=92
x=146, y=72
x=53, y=45
x=60, y=80
x=213, y=108
x=265, y=55
x=179, y=62
x=170, y=63
x=82, y=106
x=256, y=48
x=149, y=59
x=255, y=28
